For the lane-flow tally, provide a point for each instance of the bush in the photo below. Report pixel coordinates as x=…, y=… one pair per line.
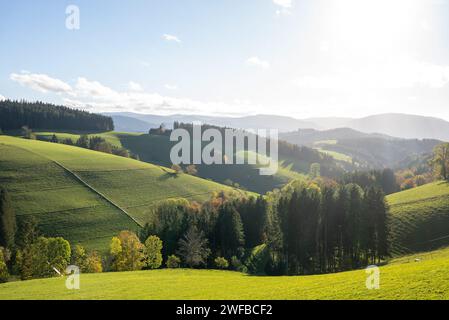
x=173, y=262
x=221, y=263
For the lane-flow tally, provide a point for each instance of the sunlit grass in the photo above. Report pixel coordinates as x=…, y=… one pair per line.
x=407, y=278
x=65, y=207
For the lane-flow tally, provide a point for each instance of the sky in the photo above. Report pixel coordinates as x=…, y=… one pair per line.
x=299, y=58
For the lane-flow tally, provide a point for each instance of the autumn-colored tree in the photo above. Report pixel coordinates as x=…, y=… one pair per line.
x=127, y=252
x=93, y=263
x=153, y=252
x=440, y=161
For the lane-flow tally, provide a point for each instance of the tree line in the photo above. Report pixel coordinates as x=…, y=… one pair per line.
x=286, y=151
x=16, y=114
x=384, y=179
x=85, y=141
x=305, y=228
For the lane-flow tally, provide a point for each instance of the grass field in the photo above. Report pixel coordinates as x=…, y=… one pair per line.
x=423, y=276
x=64, y=206
x=112, y=137
x=321, y=146
x=420, y=218
x=156, y=150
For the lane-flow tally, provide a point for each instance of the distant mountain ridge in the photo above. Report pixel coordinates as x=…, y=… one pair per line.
x=392, y=124
x=282, y=123
x=371, y=150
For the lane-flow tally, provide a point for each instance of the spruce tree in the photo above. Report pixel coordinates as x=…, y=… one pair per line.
x=7, y=221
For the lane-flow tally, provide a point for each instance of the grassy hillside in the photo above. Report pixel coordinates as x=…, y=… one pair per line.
x=112, y=137
x=44, y=181
x=413, y=277
x=156, y=150
x=368, y=150
x=420, y=218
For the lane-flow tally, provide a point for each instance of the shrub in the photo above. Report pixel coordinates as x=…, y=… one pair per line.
x=221, y=263
x=173, y=262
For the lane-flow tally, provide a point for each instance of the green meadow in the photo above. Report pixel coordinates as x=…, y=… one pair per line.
x=40, y=180
x=421, y=276
x=420, y=218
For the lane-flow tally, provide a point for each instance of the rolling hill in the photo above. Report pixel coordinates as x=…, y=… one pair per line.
x=368, y=150
x=155, y=149
x=420, y=218
x=393, y=124
x=282, y=123
x=87, y=196
x=129, y=124
x=403, y=126
x=422, y=276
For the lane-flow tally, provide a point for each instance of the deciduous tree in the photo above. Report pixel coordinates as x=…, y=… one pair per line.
x=153, y=252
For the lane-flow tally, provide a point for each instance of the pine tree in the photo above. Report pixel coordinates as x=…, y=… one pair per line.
x=7, y=221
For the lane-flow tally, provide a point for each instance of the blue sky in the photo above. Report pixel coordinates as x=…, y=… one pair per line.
x=229, y=57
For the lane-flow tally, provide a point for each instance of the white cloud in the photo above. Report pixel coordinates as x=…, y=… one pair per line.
x=170, y=87
x=395, y=74
x=170, y=37
x=89, y=88
x=283, y=3
x=256, y=61
x=96, y=97
x=134, y=86
x=41, y=82
x=2, y=98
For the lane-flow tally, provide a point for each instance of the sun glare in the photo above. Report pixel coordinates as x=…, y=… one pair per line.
x=365, y=25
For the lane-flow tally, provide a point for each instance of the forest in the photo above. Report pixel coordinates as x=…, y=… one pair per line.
x=39, y=115
x=305, y=228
